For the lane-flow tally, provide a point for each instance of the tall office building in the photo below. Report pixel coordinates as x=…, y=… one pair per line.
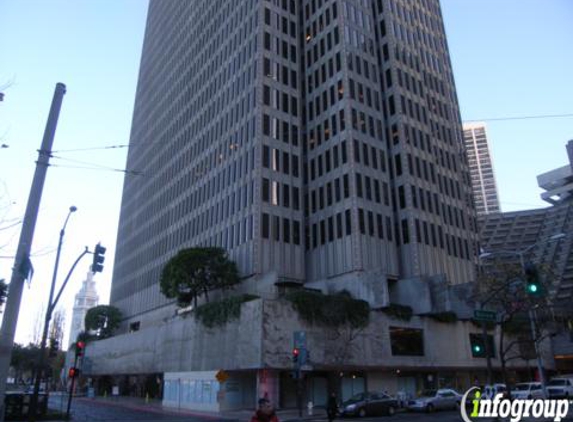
x=312, y=139
x=319, y=142
x=481, y=168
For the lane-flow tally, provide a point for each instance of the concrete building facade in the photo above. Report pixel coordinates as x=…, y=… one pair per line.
x=533, y=230
x=320, y=144
x=481, y=168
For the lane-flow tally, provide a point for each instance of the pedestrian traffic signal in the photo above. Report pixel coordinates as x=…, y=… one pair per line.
x=295, y=354
x=532, y=284
x=99, y=258
x=54, y=347
x=80, y=348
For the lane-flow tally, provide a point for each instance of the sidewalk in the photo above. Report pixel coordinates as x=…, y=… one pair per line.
x=155, y=406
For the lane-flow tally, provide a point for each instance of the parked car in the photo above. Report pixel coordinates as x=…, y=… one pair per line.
x=369, y=404
x=490, y=391
x=560, y=388
x=431, y=400
x=527, y=390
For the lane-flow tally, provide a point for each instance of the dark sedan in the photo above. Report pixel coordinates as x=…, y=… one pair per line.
x=369, y=404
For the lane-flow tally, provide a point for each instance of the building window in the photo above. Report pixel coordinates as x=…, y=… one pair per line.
x=407, y=341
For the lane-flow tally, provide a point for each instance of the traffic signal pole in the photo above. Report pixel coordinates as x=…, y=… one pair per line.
x=531, y=314
x=51, y=306
x=72, y=385
x=22, y=265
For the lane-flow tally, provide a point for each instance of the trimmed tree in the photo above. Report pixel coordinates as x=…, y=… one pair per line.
x=103, y=320
x=196, y=271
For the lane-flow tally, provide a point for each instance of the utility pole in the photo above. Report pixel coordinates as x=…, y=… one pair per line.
x=22, y=264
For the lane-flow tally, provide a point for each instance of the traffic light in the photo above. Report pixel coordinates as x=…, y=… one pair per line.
x=477, y=345
x=97, y=264
x=532, y=284
x=54, y=347
x=80, y=348
x=73, y=372
x=295, y=355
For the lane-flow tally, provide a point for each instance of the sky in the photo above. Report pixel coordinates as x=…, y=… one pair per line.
x=511, y=58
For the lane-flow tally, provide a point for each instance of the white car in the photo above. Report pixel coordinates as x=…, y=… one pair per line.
x=527, y=390
x=431, y=400
x=560, y=388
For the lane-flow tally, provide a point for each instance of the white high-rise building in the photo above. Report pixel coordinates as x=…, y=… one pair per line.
x=481, y=168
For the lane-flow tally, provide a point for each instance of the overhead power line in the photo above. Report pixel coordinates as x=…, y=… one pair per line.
x=538, y=116
x=488, y=119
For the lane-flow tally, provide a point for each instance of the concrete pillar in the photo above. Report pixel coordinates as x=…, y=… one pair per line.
x=268, y=385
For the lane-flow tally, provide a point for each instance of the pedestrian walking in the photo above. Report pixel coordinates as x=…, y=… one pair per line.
x=265, y=412
x=331, y=407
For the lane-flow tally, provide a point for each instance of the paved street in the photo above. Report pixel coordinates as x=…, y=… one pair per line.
x=126, y=410
x=90, y=410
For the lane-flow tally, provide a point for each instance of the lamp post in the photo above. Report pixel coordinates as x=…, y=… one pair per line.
x=42, y=358
x=531, y=312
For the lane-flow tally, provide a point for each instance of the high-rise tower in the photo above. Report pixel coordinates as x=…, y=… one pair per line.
x=316, y=141
x=481, y=169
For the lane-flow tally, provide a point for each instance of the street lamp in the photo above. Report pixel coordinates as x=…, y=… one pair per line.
x=531, y=311
x=49, y=311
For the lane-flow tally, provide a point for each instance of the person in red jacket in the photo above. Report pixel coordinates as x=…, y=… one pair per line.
x=265, y=412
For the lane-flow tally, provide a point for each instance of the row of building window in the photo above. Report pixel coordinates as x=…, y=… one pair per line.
x=361, y=66
x=280, y=73
x=323, y=102
x=324, y=231
x=327, y=161
x=281, y=48
x=334, y=192
x=315, y=79
x=280, y=161
x=280, y=229
x=280, y=130
x=280, y=194
x=279, y=100
x=323, y=132
x=276, y=20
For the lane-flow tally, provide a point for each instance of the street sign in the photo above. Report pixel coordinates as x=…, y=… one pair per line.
x=222, y=376
x=485, y=316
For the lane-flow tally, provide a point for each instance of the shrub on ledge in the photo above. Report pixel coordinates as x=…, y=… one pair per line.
x=330, y=310
x=216, y=314
x=402, y=312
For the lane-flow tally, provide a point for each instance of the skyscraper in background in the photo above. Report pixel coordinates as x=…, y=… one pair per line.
x=481, y=168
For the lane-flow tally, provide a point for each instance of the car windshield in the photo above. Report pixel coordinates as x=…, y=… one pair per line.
x=428, y=393
x=522, y=387
x=557, y=382
x=357, y=397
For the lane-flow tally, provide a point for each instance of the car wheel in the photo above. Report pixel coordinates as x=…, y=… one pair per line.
x=430, y=408
x=529, y=397
x=362, y=412
x=391, y=411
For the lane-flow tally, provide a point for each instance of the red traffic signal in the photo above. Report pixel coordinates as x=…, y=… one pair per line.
x=73, y=372
x=295, y=354
x=80, y=346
